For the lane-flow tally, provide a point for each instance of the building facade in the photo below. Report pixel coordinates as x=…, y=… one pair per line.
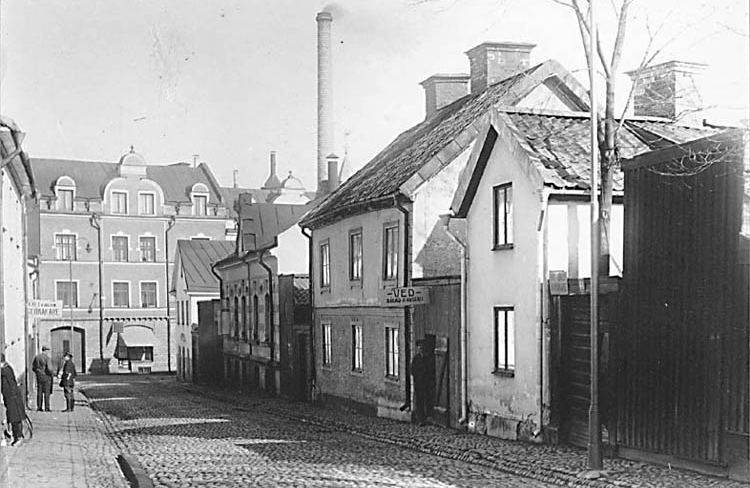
x=108, y=234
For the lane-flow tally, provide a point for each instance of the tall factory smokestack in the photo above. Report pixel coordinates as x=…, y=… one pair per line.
x=325, y=98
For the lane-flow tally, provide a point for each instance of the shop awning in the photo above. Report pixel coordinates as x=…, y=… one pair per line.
x=136, y=337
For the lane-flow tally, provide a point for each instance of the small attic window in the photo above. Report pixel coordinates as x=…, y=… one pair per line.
x=199, y=196
x=65, y=190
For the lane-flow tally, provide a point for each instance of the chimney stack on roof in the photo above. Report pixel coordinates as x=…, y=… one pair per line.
x=443, y=89
x=668, y=90
x=195, y=160
x=272, y=182
x=325, y=97
x=492, y=62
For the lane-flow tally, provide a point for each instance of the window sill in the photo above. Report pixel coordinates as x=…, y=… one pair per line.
x=505, y=373
x=325, y=289
x=357, y=372
x=502, y=247
x=390, y=283
x=392, y=379
x=326, y=367
x=355, y=285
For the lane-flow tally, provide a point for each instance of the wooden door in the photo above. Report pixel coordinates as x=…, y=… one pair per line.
x=62, y=342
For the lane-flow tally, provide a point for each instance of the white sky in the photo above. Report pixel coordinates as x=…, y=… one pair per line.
x=232, y=80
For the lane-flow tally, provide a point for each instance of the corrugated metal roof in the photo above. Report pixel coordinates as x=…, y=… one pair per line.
x=196, y=258
x=91, y=177
x=263, y=222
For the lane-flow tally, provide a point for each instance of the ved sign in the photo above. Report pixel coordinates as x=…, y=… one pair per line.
x=401, y=296
x=45, y=309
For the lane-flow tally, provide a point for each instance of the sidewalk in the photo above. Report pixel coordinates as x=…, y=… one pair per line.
x=554, y=464
x=66, y=450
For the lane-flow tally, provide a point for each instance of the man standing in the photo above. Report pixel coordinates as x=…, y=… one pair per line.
x=420, y=371
x=15, y=410
x=67, y=381
x=44, y=375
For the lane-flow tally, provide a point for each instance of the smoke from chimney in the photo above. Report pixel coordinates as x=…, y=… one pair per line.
x=325, y=97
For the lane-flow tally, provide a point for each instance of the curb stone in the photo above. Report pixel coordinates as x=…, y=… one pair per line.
x=133, y=471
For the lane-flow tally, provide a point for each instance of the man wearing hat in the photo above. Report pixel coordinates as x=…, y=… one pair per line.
x=44, y=375
x=67, y=381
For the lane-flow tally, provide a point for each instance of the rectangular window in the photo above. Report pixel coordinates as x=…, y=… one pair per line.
x=146, y=203
x=327, y=348
x=121, y=294
x=148, y=295
x=67, y=292
x=356, y=347
x=148, y=249
x=119, y=202
x=325, y=265
x=65, y=244
x=390, y=252
x=503, y=216
x=66, y=199
x=199, y=204
x=355, y=255
x=120, y=248
x=505, y=342
x=391, y=352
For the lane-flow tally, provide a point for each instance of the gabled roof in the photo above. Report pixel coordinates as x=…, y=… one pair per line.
x=263, y=222
x=419, y=153
x=91, y=177
x=195, y=258
x=556, y=147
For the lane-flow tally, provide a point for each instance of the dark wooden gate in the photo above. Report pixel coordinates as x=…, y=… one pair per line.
x=62, y=343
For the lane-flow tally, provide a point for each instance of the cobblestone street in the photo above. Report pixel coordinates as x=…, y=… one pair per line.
x=183, y=439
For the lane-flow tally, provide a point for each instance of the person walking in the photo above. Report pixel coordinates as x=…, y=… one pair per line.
x=67, y=381
x=420, y=371
x=44, y=375
x=15, y=410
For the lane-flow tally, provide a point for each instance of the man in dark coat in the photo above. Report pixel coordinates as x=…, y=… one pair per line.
x=67, y=381
x=15, y=410
x=44, y=375
x=420, y=371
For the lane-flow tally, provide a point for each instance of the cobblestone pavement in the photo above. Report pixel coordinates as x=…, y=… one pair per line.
x=182, y=439
x=66, y=450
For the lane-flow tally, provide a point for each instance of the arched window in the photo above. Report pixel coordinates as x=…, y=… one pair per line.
x=255, y=318
x=199, y=196
x=244, y=317
x=267, y=317
x=65, y=190
x=236, y=318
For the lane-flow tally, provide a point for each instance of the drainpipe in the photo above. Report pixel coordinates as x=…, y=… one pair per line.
x=270, y=314
x=543, y=298
x=2, y=296
x=313, y=375
x=95, y=221
x=26, y=318
x=407, y=309
x=463, y=326
x=222, y=317
x=170, y=224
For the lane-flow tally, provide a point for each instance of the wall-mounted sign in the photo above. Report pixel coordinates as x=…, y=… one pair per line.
x=401, y=296
x=45, y=309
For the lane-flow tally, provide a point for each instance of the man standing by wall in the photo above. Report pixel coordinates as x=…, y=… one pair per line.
x=67, y=381
x=420, y=372
x=44, y=374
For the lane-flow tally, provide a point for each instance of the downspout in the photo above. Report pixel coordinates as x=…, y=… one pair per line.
x=463, y=332
x=2, y=296
x=170, y=224
x=313, y=375
x=271, y=345
x=543, y=297
x=407, y=309
x=26, y=317
x=222, y=316
x=95, y=223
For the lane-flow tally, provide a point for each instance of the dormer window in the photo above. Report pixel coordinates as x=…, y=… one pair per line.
x=200, y=199
x=119, y=202
x=65, y=190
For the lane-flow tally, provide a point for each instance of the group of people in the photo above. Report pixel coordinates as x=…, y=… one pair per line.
x=15, y=405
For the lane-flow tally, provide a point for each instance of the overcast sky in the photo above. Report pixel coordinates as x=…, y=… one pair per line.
x=233, y=80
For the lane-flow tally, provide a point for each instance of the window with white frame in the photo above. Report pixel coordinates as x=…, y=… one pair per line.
x=120, y=294
x=65, y=247
x=200, y=199
x=502, y=196
x=391, y=351
x=325, y=264
x=505, y=342
x=355, y=255
x=148, y=249
x=67, y=293
x=390, y=251
x=65, y=199
x=120, y=248
x=146, y=203
x=357, y=347
x=327, y=356
x=119, y=202
x=148, y=295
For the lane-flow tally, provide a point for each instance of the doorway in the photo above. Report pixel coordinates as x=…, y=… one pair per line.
x=63, y=341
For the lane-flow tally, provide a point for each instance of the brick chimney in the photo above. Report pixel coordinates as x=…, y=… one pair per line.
x=443, y=89
x=325, y=97
x=668, y=90
x=491, y=62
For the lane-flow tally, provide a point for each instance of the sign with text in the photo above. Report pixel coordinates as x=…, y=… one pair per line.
x=45, y=309
x=405, y=295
